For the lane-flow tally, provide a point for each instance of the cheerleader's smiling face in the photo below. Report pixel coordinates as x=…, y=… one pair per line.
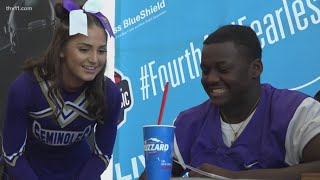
x=84, y=57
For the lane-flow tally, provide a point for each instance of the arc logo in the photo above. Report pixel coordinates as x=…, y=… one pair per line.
x=124, y=85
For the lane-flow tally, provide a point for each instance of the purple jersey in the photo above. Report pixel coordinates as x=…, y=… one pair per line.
x=36, y=146
x=261, y=144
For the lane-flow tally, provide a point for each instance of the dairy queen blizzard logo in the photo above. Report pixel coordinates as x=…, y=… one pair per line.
x=154, y=146
x=124, y=85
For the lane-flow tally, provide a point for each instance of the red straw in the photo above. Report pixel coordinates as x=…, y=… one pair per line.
x=163, y=103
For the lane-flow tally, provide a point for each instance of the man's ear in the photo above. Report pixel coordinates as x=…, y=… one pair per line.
x=256, y=68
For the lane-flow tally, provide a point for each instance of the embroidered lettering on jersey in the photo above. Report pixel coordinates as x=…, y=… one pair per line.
x=58, y=137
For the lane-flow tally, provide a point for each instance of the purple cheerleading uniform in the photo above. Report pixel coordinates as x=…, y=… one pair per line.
x=36, y=146
x=261, y=144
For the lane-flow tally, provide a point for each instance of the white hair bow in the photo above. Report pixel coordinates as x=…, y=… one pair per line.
x=78, y=19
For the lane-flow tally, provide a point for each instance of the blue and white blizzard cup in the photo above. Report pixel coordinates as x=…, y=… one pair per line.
x=158, y=151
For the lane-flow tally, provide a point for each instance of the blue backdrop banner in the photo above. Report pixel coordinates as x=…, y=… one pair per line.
x=161, y=40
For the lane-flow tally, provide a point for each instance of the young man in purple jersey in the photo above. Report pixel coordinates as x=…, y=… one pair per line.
x=246, y=129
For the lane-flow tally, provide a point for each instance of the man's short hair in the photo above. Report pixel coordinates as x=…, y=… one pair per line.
x=241, y=36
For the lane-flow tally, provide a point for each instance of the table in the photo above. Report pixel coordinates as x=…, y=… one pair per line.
x=310, y=176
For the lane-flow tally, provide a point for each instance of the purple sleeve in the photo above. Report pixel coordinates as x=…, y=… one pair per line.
x=105, y=135
x=15, y=130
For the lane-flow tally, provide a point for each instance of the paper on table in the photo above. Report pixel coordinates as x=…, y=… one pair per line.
x=207, y=174
x=210, y=175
